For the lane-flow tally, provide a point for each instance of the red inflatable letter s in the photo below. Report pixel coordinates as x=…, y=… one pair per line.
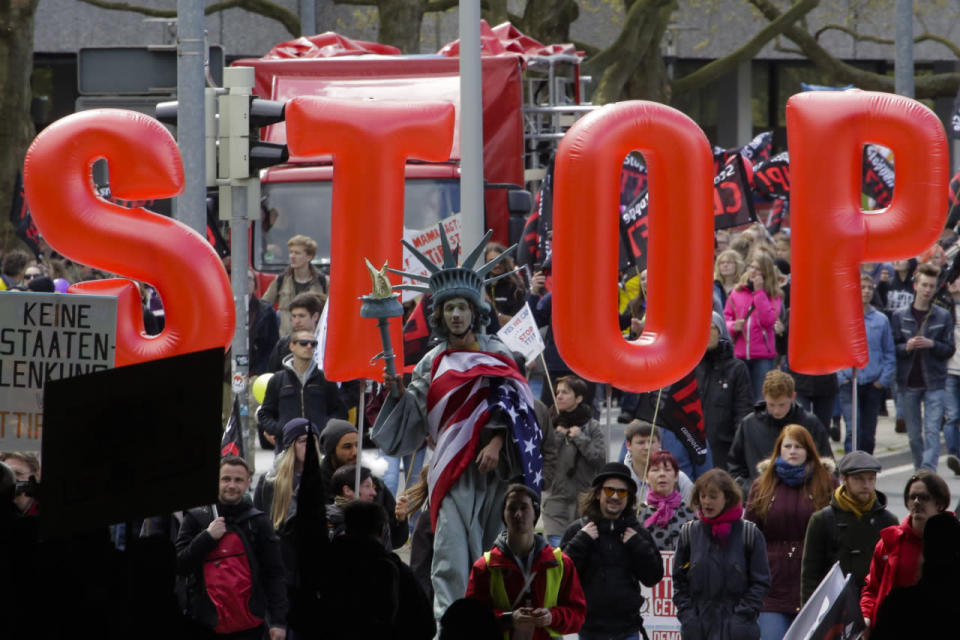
x=370, y=142
x=144, y=164
x=831, y=235
x=585, y=242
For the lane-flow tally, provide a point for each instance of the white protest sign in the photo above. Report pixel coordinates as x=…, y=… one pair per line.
x=47, y=336
x=521, y=334
x=427, y=242
x=658, y=611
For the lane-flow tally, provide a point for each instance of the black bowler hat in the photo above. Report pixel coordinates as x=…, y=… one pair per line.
x=615, y=470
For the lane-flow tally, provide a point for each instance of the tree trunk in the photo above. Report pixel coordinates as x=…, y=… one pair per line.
x=400, y=22
x=16, y=128
x=549, y=20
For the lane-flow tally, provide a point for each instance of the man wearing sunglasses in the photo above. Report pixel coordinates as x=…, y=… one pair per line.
x=299, y=390
x=613, y=554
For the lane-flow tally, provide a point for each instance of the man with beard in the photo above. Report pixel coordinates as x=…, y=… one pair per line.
x=230, y=555
x=613, y=554
x=470, y=399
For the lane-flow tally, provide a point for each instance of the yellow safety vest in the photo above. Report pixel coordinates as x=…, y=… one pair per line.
x=498, y=589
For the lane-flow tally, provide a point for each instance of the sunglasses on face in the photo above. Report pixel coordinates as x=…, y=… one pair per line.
x=611, y=491
x=307, y=343
x=922, y=498
x=31, y=276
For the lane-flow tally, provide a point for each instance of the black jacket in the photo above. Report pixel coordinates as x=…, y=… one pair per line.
x=757, y=434
x=726, y=397
x=268, y=598
x=611, y=572
x=264, y=334
x=399, y=530
x=371, y=593
x=285, y=399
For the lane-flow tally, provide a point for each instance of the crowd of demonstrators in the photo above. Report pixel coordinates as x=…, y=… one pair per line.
x=896, y=558
x=573, y=452
x=847, y=529
x=534, y=588
x=642, y=441
x=793, y=484
x=613, y=555
x=720, y=571
x=664, y=510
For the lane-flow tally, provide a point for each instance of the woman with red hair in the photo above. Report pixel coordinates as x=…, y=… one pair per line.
x=794, y=482
x=663, y=511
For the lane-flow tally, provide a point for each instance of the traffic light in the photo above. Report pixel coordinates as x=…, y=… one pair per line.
x=166, y=112
x=265, y=154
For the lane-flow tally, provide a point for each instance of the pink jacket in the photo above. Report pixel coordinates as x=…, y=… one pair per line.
x=763, y=313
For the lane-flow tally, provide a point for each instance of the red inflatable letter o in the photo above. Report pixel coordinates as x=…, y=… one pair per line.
x=144, y=164
x=370, y=142
x=831, y=235
x=585, y=242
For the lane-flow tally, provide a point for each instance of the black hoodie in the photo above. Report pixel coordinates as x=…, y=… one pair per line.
x=726, y=397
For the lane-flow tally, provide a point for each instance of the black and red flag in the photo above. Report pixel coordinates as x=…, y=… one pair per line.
x=417, y=333
x=771, y=178
x=758, y=149
x=681, y=412
x=953, y=213
x=232, y=442
x=732, y=199
x=21, y=219
x=878, y=175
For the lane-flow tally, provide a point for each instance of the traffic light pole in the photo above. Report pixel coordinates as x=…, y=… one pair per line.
x=235, y=198
x=190, y=206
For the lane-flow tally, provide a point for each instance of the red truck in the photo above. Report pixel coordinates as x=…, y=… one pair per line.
x=525, y=88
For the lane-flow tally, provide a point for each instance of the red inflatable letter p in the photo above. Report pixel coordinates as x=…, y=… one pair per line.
x=831, y=235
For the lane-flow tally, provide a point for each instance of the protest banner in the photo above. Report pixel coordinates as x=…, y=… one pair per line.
x=732, y=200
x=427, y=241
x=47, y=336
x=658, y=611
x=521, y=334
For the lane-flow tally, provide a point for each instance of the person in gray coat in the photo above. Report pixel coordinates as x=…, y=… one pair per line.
x=574, y=450
x=720, y=570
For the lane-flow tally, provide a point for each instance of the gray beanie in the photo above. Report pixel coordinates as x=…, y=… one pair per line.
x=336, y=428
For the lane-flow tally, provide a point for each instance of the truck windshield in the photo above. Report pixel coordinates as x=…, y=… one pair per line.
x=292, y=208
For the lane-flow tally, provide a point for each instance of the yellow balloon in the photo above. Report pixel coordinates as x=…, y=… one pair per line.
x=260, y=386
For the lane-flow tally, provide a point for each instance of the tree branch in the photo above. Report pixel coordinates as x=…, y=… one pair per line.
x=441, y=5
x=265, y=8
x=729, y=62
x=870, y=38
x=927, y=86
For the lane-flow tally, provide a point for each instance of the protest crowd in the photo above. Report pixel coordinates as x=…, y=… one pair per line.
x=498, y=488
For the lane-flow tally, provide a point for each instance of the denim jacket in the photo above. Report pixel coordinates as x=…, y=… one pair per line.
x=882, y=363
x=939, y=328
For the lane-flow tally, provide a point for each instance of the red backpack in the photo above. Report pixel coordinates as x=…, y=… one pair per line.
x=229, y=582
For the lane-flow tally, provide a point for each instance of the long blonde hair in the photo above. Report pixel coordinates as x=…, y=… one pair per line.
x=771, y=275
x=283, y=485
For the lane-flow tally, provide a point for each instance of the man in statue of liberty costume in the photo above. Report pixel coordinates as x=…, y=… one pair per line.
x=469, y=399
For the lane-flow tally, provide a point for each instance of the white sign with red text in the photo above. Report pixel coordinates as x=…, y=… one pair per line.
x=427, y=242
x=659, y=613
x=521, y=334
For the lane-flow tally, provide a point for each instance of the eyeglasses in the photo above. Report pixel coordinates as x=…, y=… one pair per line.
x=922, y=498
x=307, y=343
x=31, y=276
x=611, y=491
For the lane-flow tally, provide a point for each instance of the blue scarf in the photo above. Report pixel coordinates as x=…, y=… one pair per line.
x=790, y=475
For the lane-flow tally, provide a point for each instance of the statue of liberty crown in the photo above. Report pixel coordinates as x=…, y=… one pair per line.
x=451, y=280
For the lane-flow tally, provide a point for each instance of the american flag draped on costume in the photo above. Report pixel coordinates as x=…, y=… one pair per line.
x=467, y=388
